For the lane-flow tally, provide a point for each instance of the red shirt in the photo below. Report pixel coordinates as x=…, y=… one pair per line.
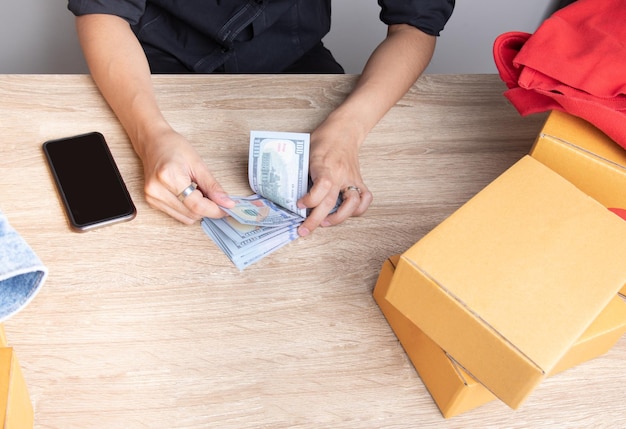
x=575, y=62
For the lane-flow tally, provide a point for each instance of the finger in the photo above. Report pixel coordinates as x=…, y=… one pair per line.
x=214, y=192
x=206, y=198
x=187, y=206
x=317, y=215
x=318, y=192
x=187, y=191
x=349, y=207
x=197, y=206
x=364, y=202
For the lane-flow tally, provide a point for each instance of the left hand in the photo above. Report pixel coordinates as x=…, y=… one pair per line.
x=334, y=168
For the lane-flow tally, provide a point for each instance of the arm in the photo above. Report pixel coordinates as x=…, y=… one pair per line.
x=389, y=73
x=120, y=69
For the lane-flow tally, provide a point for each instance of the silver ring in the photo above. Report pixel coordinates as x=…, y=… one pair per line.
x=351, y=188
x=187, y=191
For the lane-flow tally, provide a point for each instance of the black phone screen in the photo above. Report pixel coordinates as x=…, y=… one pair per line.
x=90, y=184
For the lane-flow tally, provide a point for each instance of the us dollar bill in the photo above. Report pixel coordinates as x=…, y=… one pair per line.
x=278, y=173
x=245, y=253
x=278, y=167
x=256, y=210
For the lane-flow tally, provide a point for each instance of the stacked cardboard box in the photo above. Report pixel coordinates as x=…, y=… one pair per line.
x=16, y=410
x=586, y=157
x=453, y=389
x=519, y=283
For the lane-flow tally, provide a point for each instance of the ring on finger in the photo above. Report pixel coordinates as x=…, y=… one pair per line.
x=187, y=191
x=351, y=188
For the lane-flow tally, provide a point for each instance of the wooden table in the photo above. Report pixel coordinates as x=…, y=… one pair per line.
x=147, y=324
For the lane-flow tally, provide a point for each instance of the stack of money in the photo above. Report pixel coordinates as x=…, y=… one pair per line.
x=278, y=172
x=254, y=228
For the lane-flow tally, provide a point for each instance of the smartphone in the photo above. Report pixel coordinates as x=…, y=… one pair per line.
x=89, y=182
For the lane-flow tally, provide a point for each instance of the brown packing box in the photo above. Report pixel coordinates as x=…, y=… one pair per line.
x=16, y=410
x=585, y=156
x=599, y=337
x=530, y=253
x=438, y=373
x=453, y=390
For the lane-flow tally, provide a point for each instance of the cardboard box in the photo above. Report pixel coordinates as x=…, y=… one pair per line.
x=454, y=390
x=16, y=410
x=530, y=253
x=586, y=157
x=599, y=337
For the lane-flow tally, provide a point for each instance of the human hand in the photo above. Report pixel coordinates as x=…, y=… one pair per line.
x=334, y=168
x=171, y=164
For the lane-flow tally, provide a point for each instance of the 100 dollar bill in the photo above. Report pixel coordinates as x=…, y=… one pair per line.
x=256, y=210
x=278, y=167
x=278, y=173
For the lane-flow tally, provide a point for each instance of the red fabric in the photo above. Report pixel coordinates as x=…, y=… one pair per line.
x=620, y=212
x=575, y=62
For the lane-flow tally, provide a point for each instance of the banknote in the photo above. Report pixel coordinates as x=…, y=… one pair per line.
x=242, y=234
x=278, y=167
x=259, y=224
x=246, y=252
x=260, y=211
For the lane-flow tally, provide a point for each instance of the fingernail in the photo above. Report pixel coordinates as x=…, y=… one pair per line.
x=225, y=199
x=325, y=223
x=303, y=231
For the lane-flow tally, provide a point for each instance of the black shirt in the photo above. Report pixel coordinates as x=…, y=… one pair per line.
x=247, y=36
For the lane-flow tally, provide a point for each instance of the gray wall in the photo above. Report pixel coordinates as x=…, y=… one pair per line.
x=38, y=36
x=465, y=45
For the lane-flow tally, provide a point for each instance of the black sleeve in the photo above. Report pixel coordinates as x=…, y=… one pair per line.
x=130, y=10
x=430, y=16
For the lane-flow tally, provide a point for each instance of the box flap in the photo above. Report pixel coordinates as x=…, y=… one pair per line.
x=580, y=133
x=584, y=156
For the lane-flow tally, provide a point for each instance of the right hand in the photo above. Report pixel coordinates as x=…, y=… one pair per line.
x=170, y=165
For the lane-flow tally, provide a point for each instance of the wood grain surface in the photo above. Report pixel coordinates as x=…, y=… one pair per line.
x=147, y=324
